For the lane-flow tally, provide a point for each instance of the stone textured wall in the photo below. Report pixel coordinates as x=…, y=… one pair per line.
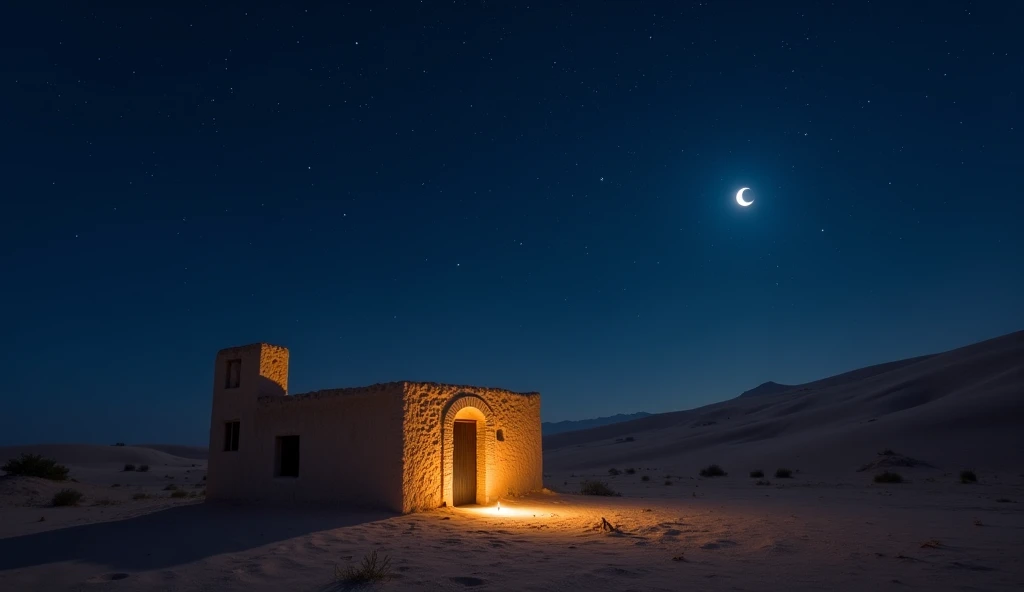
x=386, y=445
x=513, y=466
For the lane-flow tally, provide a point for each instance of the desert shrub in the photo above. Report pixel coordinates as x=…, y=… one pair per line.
x=783, y=474
x=170, y=487
x=597, y=488
x=888, y=477
x=645, y=478
x=116, y=485
x=140, y=496
x=887, y=452
x=613, y=472
x=372, y=569
x=129, y=467
x=179, y=493
x=630, y=471
x=105, y=502
x=67, y=497
x=34, y=465
x=756, y=474
x=629, y=439
x=668, y=483
x=713, y=471
x=968, y=477
x=143, y=468
x=763, y=482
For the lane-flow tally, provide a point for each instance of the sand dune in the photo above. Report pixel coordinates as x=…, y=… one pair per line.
x=190, y=452
x=829, y=527
x=86, y=455
x=961, y=408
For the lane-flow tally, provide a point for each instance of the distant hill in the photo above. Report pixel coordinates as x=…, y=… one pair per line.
x=768, y=388
x=548, y=428
x=959, y=408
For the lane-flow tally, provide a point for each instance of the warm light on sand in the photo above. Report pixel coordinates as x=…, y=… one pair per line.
x=506, y=510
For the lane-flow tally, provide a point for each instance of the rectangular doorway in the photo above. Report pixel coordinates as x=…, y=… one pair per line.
x=464, y=462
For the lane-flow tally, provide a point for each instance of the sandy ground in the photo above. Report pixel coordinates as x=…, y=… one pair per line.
x=721, y=533
x=829, y=527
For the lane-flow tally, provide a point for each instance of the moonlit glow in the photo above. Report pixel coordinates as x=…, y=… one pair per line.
x=740, y=200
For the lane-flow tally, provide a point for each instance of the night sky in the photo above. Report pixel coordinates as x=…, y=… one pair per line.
x=534, y=196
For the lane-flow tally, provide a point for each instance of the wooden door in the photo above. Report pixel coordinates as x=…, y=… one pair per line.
x=464, y=462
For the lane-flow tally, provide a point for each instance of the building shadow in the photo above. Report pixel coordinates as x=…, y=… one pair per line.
x=178, y=535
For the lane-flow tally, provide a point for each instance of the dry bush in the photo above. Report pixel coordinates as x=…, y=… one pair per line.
x=67, y=497
x=170, y=487
x=968, y=477
x=372, y=569
x=783, y=474
x=178, y=493
x=597, y=488
x=34, y=465
x=756, y=474
x=143, y=468
x=613, y=472
x=713, y=471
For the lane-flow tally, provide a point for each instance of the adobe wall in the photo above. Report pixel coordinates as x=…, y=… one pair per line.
x=350, y=447
x=514, y=464
x=264, y=372
x=386, y=446
x=350, y=440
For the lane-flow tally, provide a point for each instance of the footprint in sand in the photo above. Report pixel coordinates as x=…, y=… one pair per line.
x=468, y=581
x=104, y=578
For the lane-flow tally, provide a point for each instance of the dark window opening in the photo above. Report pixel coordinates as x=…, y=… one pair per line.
x=231, y=436
x=500, y=436
x=234, y=374
x=287, y=456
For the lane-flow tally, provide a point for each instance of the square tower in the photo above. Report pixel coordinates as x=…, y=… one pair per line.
x=241, y=375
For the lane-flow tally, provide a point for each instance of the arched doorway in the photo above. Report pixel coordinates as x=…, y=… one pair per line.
x=467, y=434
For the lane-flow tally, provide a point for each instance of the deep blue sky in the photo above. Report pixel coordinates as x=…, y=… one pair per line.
x=535, y=196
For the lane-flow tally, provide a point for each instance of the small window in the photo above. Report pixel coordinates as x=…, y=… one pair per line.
x=231, y=436
x=500, y=435
x=234, y=374
x=287, y=456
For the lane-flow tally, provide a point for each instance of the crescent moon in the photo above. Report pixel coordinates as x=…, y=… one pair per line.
x=740, y=200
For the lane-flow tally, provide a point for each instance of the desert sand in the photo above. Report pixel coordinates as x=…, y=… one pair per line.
x=827, y=526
